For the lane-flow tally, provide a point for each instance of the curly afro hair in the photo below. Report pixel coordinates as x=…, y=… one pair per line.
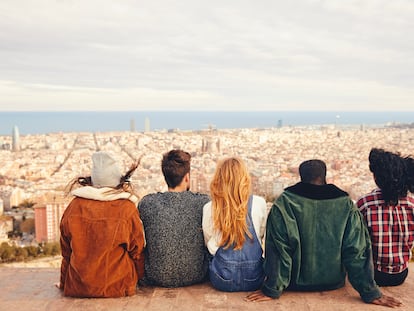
x=393, y=174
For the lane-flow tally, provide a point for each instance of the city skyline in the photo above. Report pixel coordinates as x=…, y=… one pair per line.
x=233, y=55
x=43, y=167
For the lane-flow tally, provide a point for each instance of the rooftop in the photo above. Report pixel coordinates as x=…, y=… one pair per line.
x=33, y=289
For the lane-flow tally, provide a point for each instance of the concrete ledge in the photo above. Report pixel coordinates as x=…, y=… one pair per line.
x=33, y=289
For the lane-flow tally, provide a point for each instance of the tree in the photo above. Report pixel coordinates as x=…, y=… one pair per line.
x=27, y=204
x=51, y=249
x=7, y=253
x=21, y=253
x=33, y=251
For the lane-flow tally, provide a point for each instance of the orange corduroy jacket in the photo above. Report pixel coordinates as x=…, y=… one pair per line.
x=102, y=248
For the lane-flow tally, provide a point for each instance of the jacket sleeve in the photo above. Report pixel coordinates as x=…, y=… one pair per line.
x=357, y=257
x=65, y=249
x=137, y=244
x=278, y=255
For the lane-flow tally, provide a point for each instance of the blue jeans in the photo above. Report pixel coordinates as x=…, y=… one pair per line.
x=234, y=276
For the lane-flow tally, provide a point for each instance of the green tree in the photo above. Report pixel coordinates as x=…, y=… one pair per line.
x=21, y=253
x=27, y=204
x=7, y=252
x=33, y=251
x=56, y=249
x=51, y=249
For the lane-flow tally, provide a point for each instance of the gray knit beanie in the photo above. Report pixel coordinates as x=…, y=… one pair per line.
x=105, y=171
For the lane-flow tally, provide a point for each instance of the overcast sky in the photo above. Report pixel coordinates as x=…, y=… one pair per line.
x=207, y=55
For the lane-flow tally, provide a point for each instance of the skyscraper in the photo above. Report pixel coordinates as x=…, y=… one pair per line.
x=147, y=125
x=132, y=125
x=15, y=139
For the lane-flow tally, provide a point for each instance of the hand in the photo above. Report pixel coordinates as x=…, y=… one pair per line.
x=257, y=296
x=387, y=301
x=58, y=285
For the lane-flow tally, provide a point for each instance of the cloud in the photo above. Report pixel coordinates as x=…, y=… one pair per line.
x=217, y=55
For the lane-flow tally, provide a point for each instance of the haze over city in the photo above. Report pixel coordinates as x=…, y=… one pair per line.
x=216, y=55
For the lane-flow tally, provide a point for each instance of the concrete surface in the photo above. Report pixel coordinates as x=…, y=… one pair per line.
x=33, y=289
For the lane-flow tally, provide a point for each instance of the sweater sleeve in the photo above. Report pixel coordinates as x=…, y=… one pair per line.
x=357, y=257
x=278, y=255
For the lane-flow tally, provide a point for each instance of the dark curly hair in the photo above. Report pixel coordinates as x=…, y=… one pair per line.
x=393, y=174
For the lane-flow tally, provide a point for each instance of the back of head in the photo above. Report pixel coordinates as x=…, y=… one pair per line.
x=313, y=172
x=391, y=174
x=105, y=171
x=230, y=189
x=175, y=165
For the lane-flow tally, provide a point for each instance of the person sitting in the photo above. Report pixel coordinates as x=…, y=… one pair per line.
x=102, y=237
x=389, y=215
x=175, y=254
x=233, y=225
x=315, y=235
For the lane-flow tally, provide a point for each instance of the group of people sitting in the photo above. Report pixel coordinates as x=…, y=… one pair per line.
x=312, y=238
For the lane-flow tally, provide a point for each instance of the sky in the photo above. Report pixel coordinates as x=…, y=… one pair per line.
x=264, y=55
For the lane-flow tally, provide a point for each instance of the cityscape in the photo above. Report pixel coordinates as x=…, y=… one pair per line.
x=36, y=169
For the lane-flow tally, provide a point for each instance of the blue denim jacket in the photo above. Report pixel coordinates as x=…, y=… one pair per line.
x=239, y=270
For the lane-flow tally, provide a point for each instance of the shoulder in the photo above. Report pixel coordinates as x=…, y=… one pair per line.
x=370, y=198
x=201, y=196
x=410, y=198
x=195, y=197
x=207, y=206
x=207, y=210
x=258, y=200
x=259, y=203
x=150, y=198
x=76, y=202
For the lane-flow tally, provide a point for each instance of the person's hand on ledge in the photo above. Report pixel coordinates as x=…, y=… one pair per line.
x=387, y=301
x=257, y=296
x=58, y=285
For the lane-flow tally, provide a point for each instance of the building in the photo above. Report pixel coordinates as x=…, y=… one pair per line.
x=147, y=125
x=47, y=219
x=10, y=197
x=132, y=125
x=15, y=139
x=17, y=196
x=210, y=144
x=6, y=225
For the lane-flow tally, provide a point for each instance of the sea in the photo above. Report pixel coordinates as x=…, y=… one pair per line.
x=44, y=122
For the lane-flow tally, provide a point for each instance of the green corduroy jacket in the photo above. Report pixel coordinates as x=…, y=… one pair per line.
x=312, y=244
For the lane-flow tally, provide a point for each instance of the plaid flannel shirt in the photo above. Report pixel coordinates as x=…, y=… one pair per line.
x=391, y=229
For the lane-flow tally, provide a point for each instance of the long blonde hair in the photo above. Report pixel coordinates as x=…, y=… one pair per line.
x=230, y=190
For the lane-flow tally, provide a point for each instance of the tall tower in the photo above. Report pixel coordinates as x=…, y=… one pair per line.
x=15, y=139
x=147, y=127
x=132, y=125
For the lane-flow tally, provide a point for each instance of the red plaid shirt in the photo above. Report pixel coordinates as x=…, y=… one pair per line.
x=391, y=229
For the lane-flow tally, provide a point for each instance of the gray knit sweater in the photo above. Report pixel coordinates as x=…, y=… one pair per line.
x=175, y=253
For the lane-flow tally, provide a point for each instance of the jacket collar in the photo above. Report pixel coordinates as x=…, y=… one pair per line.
x=317, y=192
x=103, y=194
